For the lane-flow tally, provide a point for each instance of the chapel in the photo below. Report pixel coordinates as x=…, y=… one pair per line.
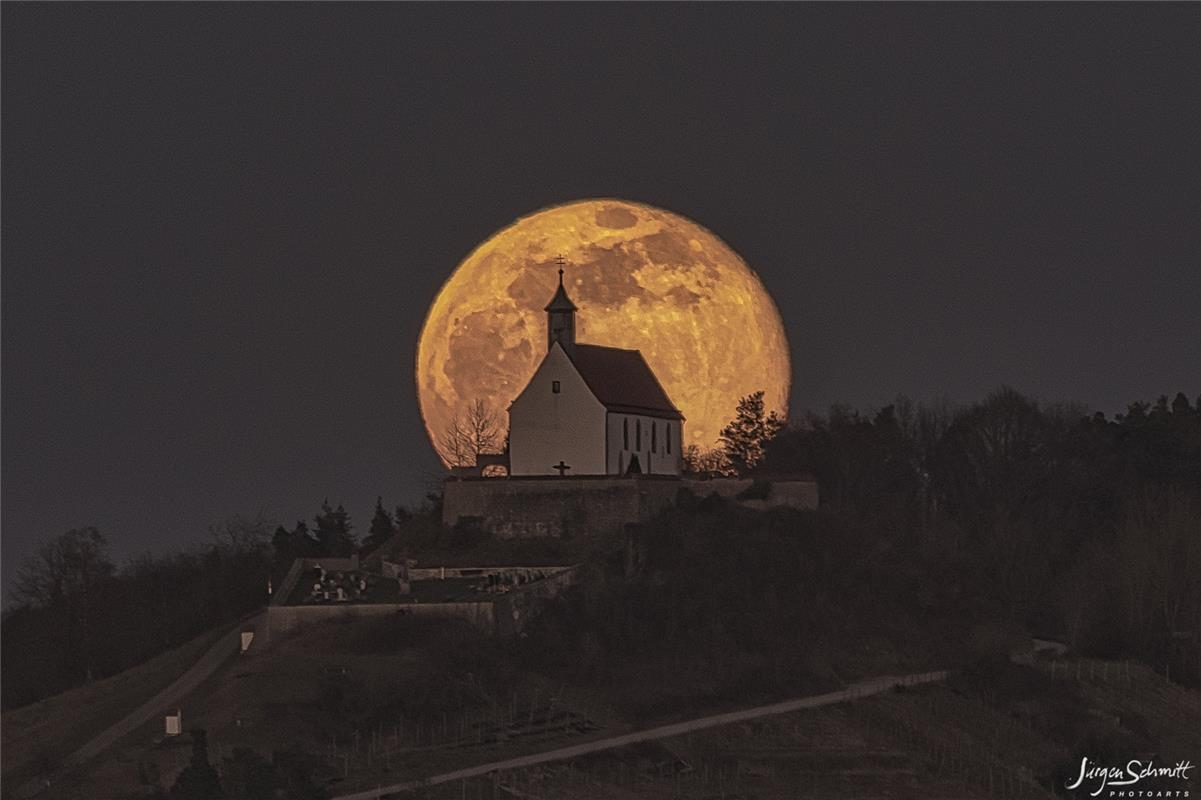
x=591, y=410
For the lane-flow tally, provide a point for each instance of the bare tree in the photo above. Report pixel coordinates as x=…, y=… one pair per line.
x=67, y=566
x=472, y=432
x=65, y=576
x=243, y=534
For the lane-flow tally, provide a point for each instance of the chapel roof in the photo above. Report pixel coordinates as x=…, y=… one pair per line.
x=560, y=302
x=622, y=380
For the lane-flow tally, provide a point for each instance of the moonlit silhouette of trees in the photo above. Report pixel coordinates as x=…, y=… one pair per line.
x=744, y=439
x=65, y=576
x=472, y=432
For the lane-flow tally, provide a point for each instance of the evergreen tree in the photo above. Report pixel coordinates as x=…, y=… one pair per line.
x=383, y=527
x=281, y=546
x=289, y=545
x=334, y=537
x=745, y=438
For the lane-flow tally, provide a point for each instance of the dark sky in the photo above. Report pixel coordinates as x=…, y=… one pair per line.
x=222, y=223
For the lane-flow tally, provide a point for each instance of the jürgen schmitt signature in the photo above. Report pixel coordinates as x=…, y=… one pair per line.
x=1133, y=772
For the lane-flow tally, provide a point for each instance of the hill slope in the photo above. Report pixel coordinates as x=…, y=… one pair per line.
x=375, y=702
x=39, y=736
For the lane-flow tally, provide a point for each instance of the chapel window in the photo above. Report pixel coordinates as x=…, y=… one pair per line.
x=625, y=432
x=554, y=387
x=654, y=436
x=638, y=434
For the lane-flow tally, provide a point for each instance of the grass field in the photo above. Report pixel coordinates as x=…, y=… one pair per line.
x=40, y=735
x=381, y=701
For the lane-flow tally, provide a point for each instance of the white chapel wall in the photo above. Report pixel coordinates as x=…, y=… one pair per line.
x=652, y=450
x=546, y=428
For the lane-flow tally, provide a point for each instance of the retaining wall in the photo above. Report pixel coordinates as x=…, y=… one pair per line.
x=528, y=507
x=515, y=609
x=441, y=573
x=514, y=508
x=501, y=614
x=281, y=619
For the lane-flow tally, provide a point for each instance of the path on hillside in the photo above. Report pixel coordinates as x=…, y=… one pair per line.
x=856, y=691
x=169, y=698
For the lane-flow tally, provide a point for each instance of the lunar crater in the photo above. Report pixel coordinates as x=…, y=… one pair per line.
x=615, y=217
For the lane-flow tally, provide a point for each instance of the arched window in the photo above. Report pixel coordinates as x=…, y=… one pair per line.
x=667, y=433
x=654, y=436
x=625, y=432
x=638, y=435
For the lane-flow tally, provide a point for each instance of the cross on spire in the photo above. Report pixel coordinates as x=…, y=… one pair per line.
x=562, y=468
x=560, y=313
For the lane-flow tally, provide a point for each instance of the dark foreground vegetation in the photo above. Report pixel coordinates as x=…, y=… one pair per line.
x=946, y=539
x=945, y=536
x=943, y=532
x=75, y=616
x=1073, y=527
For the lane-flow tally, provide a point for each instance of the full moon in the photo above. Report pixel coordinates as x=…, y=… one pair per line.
x=643, y=279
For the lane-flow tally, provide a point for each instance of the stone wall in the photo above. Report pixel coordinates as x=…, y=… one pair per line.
x=526, y=574
x=513, y=508
x=499, y=614
x=281, y=619
x=514, y=610
x=562, y=507
x=790, y=493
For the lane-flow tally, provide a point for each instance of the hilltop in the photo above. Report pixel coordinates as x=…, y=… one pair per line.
x=945, y=541
x=720, y=608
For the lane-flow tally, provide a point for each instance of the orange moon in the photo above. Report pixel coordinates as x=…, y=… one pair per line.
x=643, y=278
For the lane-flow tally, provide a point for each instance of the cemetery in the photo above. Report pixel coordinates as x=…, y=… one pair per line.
x=496, y=599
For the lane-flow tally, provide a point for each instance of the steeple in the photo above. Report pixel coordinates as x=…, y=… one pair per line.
x=560, y=315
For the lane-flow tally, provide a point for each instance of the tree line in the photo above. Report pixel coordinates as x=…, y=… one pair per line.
x=1084, y=526
x=945, y=535
x=1074, y=525
x=75, y=616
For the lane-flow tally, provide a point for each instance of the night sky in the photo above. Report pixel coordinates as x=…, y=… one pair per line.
x=222, y=224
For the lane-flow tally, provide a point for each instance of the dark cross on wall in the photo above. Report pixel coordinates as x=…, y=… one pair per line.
x=561, y=467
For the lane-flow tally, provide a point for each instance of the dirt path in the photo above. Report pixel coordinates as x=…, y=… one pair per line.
x=169, y=698
x=864, y=688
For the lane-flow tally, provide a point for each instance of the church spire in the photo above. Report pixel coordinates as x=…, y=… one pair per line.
x=560, y=315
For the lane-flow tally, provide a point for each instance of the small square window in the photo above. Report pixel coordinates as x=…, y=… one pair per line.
x=554, y=387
